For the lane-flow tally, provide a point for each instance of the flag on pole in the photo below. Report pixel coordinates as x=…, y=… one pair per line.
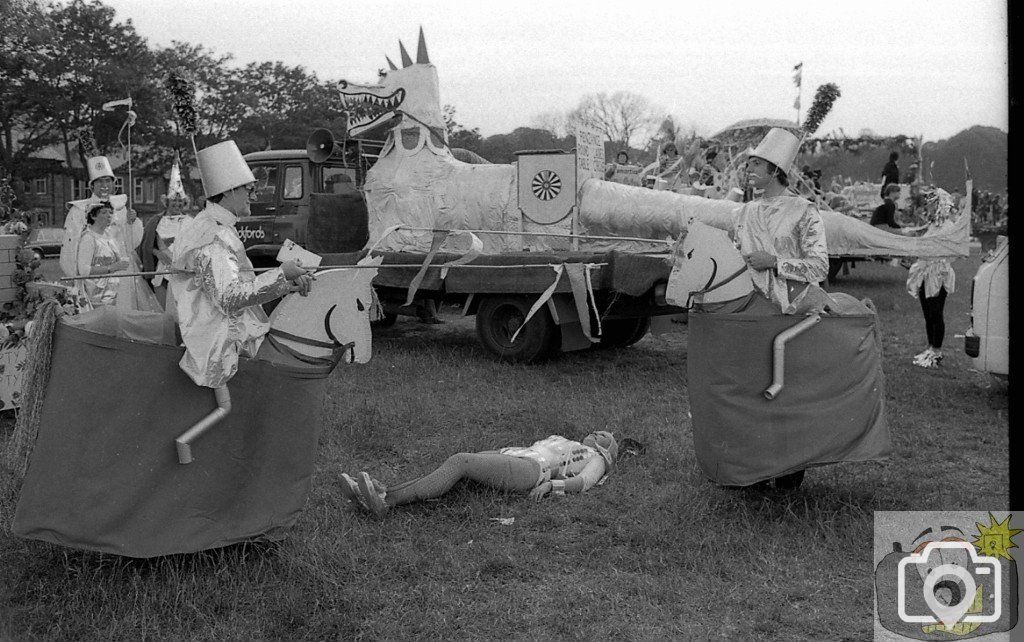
x=967, y=170
x=798, y=73
x=117, y=103
x=796, y=103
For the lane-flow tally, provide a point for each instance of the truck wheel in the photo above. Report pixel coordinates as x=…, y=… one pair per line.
x=621, y=333
x=834, y=265
x=498, y=318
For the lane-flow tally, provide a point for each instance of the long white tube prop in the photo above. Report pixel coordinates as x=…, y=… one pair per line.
x=779, y=353
x=184, y=440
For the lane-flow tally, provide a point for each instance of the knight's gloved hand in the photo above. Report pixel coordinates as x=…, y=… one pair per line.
x=303, y=284
x=761, y=260
x=292, y=270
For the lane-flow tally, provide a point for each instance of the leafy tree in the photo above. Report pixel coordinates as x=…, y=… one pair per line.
x=26, y=38
x=459, y=136
x=95, y=60
x=501, y=148
x=282, y=104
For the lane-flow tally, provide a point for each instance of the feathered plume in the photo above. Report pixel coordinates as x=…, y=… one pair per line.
x=87, y=142
x=183, y=95
x=823, y=99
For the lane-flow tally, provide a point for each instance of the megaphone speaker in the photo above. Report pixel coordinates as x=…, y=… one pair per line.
x=320, y=145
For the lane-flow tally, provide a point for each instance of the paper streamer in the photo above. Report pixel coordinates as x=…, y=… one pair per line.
x=578, y=282
x=476, y=247
x=589, y=269
x=543, y=298
x=435, y=245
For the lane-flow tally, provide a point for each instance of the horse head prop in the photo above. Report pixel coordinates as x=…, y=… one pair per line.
x=707, y=268
x=334, y=317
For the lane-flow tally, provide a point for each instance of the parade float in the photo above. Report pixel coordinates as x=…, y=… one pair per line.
x=547, y=254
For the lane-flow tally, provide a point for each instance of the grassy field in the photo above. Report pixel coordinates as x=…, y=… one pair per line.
x=657, y=553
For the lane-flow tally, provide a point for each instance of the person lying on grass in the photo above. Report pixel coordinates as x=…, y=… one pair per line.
x=553, y=465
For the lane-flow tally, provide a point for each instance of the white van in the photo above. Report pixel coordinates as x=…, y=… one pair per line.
x=988, y=339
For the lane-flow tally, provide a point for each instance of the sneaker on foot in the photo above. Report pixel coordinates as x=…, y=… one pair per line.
x=372, y=498
x=350, y=491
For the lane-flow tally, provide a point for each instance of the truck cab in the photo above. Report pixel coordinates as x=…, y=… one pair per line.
x=317, y=205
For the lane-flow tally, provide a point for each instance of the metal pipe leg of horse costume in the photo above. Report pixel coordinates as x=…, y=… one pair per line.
x=185, y=439
x=779, y=348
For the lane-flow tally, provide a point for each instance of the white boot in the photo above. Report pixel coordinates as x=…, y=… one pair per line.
x=922, y=357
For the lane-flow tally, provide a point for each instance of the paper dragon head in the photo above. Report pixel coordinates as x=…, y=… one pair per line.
x=408, y=95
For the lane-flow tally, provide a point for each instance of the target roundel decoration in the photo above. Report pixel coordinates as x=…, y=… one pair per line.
x=546, y=185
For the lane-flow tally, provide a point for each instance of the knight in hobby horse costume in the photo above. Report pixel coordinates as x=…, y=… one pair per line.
x=218, y=295
x=417, y=182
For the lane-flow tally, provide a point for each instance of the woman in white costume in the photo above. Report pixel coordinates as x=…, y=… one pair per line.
x=125, y=228
x=554, y=465
x=99, y=255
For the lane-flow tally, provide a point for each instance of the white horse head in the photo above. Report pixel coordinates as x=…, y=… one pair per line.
x=707, y=268
x=335, y=313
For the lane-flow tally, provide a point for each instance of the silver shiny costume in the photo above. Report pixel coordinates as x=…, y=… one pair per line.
x=790, y=228
x=218, y=303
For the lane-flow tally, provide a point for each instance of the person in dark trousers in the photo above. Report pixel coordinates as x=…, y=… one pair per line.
x=931, y=279
x=891, y=172
x=885, y=214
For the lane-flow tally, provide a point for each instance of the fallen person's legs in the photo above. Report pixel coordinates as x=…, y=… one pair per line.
x=493, y=469
x=503, y=472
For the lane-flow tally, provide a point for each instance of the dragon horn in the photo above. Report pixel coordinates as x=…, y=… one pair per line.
x=406, y=60
x=421, y=51
x=391, y=65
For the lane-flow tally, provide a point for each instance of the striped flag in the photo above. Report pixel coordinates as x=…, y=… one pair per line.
x=798, y=73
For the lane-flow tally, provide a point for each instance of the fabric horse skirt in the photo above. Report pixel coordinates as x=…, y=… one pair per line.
x=104, y=473
x=830, y=408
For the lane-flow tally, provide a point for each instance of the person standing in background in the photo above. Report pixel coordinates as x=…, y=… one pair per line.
x=159, y=232
x=932, y=279
x=890, y=173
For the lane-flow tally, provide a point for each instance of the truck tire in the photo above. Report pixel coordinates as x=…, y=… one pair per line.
x=498, y=318
x=622, y=333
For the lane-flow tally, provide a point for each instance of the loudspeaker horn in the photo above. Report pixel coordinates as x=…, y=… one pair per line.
x=321, y=145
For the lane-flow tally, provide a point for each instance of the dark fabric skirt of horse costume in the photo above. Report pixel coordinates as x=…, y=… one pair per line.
x=830, y=408
x=104, y=474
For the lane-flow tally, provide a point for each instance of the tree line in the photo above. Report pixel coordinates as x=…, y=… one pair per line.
x=60, y=62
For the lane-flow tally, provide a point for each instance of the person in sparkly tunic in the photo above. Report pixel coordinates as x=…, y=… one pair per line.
x=781, y=236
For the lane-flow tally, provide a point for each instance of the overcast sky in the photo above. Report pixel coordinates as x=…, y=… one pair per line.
x=910, y=67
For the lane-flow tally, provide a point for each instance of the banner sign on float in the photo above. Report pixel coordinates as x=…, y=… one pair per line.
x=589, y=153
x=626, y=174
